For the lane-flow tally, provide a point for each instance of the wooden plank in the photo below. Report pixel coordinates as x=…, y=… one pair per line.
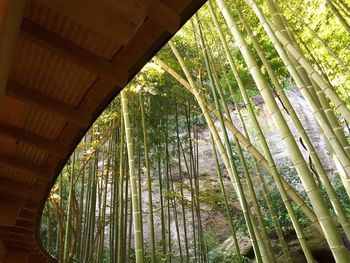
x=24, y=239
x=25, y=167
x=74, y=53
x=16, y=231
x=163, y=15
x=26, y=214
x=30, y=205
x=11, y=13
x=33, y=139
x=25, y=224
x=37, y=99
x=17, y=252
x=3, y=251
x=32, y=192
x=12, y=211
x=117, y=19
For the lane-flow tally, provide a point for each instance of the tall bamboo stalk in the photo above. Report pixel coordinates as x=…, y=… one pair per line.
x=231, y=168
x=222, y=187
x=305, y=138
x=339, y=16
x=133, y=181
x=149, y=181
x=327, y=224
x=263, y=142
x=320, y=117
x=243, y=141
x=181, y=185
x=315, y=35
x=265, y=247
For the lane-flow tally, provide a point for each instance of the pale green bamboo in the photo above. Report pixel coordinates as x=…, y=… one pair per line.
x=300, y=58
x=263, y=232
x=160, y=181
x=232, y=225
x=181, y=187
x=339, y=16
x=345, y=7
x=67, y=240
x=48, y=240
x=318, y=100
x=263, y=142
x=315, y=35
x=314, y=88
x=264, y=187
x=121, y=223
x=245, y=142
x=192, y=205
x=320, y=117
x=306, y=140
x=167, y=177
x=149, y=181
x=229, y=165
x=133, y=181
x=261, y=236
x=327, y=224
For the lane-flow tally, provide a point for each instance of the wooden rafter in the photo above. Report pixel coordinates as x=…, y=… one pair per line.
x=26, y=214
x=33, y=192
x=36, y=99
x=24, y=224
x=30, y=205
x=114, y=27
x=75, y=54
x=33, y=139
x=163, y=15
x=25, y=167
x=16, y=231
x=3, y=251
x=11, y=13
x=118, y=19
x=24, y=239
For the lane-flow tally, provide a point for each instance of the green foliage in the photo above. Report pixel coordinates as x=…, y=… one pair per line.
x=218, y=256
x=290, y=174
x=210, y=240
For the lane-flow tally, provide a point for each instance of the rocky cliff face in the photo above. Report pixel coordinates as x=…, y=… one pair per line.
x=215, y=221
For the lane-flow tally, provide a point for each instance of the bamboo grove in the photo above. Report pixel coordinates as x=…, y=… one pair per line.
x=133, y=189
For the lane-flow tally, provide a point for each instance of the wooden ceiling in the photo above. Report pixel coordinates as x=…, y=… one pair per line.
x=61, y=63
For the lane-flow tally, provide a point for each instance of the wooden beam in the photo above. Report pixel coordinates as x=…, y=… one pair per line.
x=3, y=251
x=11, y=13
x=25, y=239
x=27, y=214
x=62, y=47
x=164, y=15
x=25, y=167
x=46, y=103
x=32, y=192
x=16, y=231
x=15, y=255
x=33, y=139
x=24, y=203
x=24, y=224
x=117, y=19
x=10, y=213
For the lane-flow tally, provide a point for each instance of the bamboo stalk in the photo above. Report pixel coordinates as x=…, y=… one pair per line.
x=326, y=222
x=133, y=182
x=245, y=142
x=228, y=163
